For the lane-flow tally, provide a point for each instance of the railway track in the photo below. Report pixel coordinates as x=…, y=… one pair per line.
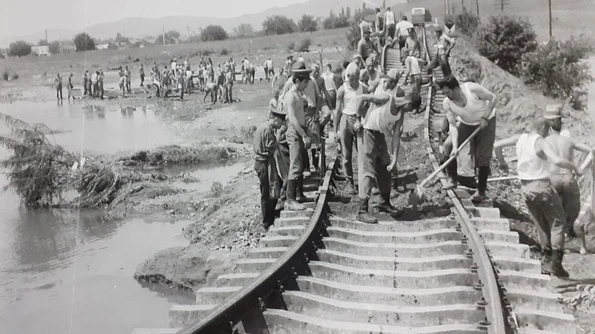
x=316, y=272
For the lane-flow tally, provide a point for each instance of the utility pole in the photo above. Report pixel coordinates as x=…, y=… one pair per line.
x=463, y=6
x=46, y=33
x=163, y=35
x=477, y=5
x=445, y=7
x=549, y=3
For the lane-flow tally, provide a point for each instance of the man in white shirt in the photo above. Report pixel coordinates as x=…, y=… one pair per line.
x=390, y=23
x=402, y=29
x=364, y=27
x=382, y=125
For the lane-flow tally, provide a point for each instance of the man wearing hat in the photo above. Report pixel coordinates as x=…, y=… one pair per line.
x=563, y=180
x=266, y=139
x=297, y=132
x=365, y=46
x=382, y=125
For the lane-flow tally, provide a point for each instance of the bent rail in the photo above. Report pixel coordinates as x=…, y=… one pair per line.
x=485, y=268
x=234, y=310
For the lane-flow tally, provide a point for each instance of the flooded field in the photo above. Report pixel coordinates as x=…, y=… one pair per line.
x=71, y=271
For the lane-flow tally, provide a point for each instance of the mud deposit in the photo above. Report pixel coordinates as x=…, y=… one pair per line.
x=413, y=166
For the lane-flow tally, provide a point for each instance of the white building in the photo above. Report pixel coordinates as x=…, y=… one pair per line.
x=103, y=46
x=41, y=50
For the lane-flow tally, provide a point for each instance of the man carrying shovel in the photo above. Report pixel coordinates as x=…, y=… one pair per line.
x=382, y=124
x=475, y=107
x=535, y=155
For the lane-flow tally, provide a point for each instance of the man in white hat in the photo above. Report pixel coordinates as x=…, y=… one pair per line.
x=563, y=180
x=382, y=126
x=266, y=139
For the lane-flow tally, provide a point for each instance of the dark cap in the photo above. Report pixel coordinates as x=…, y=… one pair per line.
x=300, y=69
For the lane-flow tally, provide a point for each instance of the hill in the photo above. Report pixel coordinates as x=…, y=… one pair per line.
x=570, y=17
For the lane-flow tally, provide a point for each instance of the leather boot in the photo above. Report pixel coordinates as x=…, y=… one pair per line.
x=482, y=183
x=385, y=205
x=556, y=265
x=299, y=190
x=363, y=215
x=546, y=261
x=291, y=204
x=451, y=176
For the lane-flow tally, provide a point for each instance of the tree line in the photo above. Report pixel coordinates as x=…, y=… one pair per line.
x=272, y=25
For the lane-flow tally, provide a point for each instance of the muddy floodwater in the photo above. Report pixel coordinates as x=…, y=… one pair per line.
x=70, y=271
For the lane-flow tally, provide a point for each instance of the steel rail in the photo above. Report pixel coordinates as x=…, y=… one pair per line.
x=493, y=300
x=227, y=315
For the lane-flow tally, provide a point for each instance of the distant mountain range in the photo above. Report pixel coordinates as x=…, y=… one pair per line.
x=187, y=25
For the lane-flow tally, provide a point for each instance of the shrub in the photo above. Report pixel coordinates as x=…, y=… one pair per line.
x=278, y=25
x=6, y=74
x=54, y=47
x=304, y=45
x=556, y=67
x=224, y=52
x=504, y=39
x=243, y=30
x=307, y=23
x=466, y=22
x=213, y=33
x=84, y=42
x=291, y=46
x=19, y=49
x=15, y=76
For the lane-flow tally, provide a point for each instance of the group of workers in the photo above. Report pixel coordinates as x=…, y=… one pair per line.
x=366, y=106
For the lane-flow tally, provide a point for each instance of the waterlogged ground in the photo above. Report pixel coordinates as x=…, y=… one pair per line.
x=73, y=272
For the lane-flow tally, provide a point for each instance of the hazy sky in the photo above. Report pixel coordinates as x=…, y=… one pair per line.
x=18, y=17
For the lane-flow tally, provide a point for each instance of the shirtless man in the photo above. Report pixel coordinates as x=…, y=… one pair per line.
x=443, y=48
x=535, y=155
x=297, y=135
x=475, y=107
x=412, y=46
x=279, y=81
x=346, y=116
x=563, y=180
x=382, y=125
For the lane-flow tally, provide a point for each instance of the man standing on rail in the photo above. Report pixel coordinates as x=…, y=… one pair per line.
x=297, y=133
x=535, y=155
x=266, y=139
x=475, y=107
x=390, y=23
x=382, y=124
x=413, y=70
x=346, y=116
x=563, y=180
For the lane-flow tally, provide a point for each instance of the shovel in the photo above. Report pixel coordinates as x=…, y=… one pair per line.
x=418, y=195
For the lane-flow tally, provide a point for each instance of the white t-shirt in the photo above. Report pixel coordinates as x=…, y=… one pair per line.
x=389, y=18
x=402, y=28
x=174, y=65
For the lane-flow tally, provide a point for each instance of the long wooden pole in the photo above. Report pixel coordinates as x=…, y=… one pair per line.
x=549, y=2
x=477, y=6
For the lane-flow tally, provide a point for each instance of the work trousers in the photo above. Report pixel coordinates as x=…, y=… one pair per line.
x=480, y=146
x=269, y=183
x=441, y=61
x=59, y=93
x=296, y=153
x=567, y=188
x=375, y=158
x=349, y=139
x=545, y=206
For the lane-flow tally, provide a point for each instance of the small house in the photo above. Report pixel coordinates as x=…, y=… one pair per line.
x=41, y=50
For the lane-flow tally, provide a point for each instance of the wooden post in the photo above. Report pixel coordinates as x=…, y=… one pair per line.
x=549, y=3
x=477, y=6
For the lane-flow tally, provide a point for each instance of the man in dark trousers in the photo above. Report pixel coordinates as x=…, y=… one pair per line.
x=58, y=86
x=266, y=138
